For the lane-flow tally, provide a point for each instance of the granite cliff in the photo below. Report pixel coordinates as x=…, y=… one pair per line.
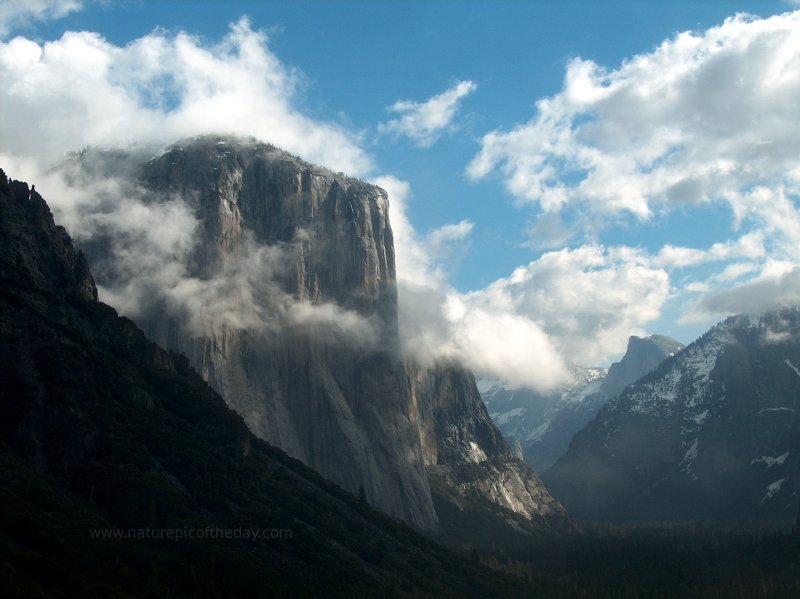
x=303, y=260
x=286, y=304
x=479, y=487
x=110, y=444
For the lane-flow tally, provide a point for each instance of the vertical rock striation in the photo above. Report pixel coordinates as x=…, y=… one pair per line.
x=284, y=299
x=294, y=316
x=474, y=475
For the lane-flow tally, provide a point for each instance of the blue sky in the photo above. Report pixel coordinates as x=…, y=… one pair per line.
x=562, y=174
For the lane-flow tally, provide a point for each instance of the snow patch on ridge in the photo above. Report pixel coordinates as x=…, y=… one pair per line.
x=693, y=367
x=770, y=461
x=792, y=366
x=503, y=418
x=772, y=489
x=775, y=410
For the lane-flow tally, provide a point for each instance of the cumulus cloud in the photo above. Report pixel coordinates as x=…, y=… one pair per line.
x=701, y=117
x=16, y=13
x=435, y=322
x=575, y=306
x=82, y=90
x=706, y=116
x=424, y=122
x=588, y=299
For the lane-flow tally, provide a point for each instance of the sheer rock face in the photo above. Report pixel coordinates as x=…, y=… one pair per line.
x=642, y=356
x=318, y=372
x=466, y=453
x=305, y=344
x=454, y=427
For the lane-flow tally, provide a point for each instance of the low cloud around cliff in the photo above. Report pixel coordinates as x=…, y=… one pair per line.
x=82, y=90
x=143, y=246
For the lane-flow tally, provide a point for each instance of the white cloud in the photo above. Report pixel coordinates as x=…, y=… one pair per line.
x=424, y=122
x=704, y=116
x=437, y=324
x=707, y=116
x=774, y=211
x=82, y=90
x=588, y=300
x=16, y=13
x=735, y=271
x=777, y=286
x=568, y=306
x=150, y=248
x=684, y=123
x=750, y=246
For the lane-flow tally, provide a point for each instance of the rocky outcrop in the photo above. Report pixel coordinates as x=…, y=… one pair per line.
x=474, y=475
x=454, y=424
x=294, y=318
x=36, y=249
x=710, y=435
x=544, y=423
x=643, y=355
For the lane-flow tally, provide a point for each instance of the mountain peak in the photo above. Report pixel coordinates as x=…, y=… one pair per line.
x=642, y=356
x=711, y=434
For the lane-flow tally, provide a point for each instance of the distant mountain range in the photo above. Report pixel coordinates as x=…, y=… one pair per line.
x=543, y=424
x=712, y=435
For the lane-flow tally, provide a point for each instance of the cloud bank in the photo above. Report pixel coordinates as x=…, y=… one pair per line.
x=706, y=117
x=424, y=122
x=702, y=117
x=81, y=90
x=575, y=306
x=145, y=248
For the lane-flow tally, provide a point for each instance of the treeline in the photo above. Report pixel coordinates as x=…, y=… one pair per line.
x=656, y=562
